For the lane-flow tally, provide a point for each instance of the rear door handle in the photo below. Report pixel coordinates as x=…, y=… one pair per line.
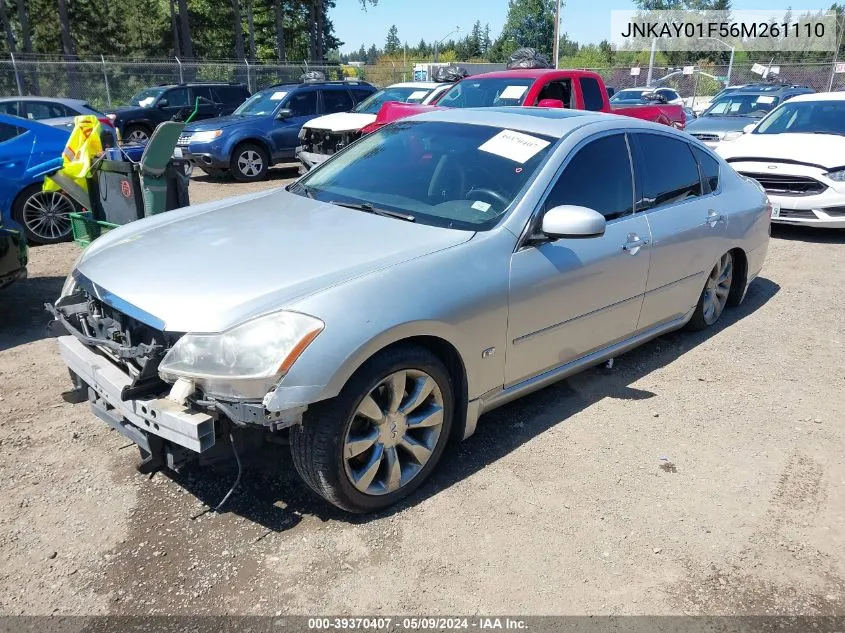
x=713, y=218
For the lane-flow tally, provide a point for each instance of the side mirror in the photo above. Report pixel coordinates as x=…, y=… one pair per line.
x=550, y=103
x=161, y=103
x=573, y=222
x=749, y=128
x=284, y=113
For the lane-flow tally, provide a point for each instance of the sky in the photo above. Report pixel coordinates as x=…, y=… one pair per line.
x=586, y=21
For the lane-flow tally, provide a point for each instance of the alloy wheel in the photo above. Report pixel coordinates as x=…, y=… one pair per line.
x=250, y=163
x=717, y=289
x=393, y=432
x=46, y=215
x=137, y=135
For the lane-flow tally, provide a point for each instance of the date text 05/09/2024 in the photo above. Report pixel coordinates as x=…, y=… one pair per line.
x=417, y=623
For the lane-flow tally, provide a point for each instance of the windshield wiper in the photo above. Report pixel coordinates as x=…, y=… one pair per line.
x=368, y=208
x=308, y=191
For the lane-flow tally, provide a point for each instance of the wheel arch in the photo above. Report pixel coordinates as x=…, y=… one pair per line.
x=256, y=140
x=737, y=292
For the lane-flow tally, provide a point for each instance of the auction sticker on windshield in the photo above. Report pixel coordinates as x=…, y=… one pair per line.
x=765, y=99
x=514, y=146
x=278, y=96
x=417, y=95
x=513, y=92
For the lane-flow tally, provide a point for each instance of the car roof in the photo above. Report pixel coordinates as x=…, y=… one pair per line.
x=820, y=96
x=61, y=100
x=768, y=88
x=427, y=85
x=554, y=122
x=531, y=73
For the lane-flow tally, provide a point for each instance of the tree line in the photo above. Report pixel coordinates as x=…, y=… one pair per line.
x=259, y=30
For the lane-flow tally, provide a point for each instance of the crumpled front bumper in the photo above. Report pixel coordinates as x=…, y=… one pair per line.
x=309, y=160
x=135, y=419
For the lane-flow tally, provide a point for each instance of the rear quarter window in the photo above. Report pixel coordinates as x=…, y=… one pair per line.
x=593, y=99
x=709, y=169
x=667, y=169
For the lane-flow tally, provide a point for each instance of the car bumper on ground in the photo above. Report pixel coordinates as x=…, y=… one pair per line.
x=309, y=160
x=135, y=419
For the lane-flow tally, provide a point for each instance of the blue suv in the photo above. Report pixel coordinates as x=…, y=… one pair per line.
x=264, y=130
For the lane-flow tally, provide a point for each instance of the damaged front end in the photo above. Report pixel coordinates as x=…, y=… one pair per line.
x=114, y=353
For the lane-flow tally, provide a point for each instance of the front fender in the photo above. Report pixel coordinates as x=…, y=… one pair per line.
x=458, y=295
x=288, y=395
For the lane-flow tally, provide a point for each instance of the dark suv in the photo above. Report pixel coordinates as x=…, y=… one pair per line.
x=152, y=106
x=265, y=129
x=731, y=112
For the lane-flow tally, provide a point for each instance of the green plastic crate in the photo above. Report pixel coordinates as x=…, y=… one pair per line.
x=86, y=229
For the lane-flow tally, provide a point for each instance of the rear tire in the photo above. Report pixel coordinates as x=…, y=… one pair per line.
x=362, y=465
x=714, y=296
x=249, y=163
x=137, y=133
x=43, y=215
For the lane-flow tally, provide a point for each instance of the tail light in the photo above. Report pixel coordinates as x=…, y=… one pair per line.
x=106, y=121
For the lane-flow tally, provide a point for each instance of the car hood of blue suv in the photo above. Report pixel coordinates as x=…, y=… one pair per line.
x=222, y=122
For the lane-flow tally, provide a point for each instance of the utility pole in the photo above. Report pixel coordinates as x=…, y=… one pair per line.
x=556, y=47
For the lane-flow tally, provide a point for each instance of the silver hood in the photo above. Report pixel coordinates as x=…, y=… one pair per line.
x=258, y=254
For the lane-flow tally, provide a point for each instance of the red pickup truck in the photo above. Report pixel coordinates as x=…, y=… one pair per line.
x=546, y=88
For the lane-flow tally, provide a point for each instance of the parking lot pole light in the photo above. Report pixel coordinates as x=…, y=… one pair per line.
x=17, y=75
x=438, y=42
x=106, y=81
x=651, y=62
x=730, y=62
x=556, y=46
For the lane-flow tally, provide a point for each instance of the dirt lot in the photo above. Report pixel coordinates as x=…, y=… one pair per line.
x=703, y=474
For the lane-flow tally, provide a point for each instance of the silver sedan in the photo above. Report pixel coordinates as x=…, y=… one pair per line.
x=430, y=272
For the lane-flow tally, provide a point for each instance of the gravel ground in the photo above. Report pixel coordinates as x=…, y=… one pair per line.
x=703, y=474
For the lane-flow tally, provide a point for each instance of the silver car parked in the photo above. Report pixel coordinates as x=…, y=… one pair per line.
x=428, y=273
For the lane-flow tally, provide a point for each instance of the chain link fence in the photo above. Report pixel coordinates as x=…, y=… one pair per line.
x=107, y=82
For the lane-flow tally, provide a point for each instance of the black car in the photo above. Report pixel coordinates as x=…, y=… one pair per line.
x=152, y=106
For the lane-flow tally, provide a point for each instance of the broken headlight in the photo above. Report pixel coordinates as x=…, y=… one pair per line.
x=245, y=361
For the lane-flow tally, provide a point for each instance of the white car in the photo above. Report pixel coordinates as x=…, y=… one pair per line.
x=797, y=153
x=640, y=95
x=326, y=135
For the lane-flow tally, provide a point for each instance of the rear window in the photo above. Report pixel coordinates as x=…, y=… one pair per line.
x=668, y=172
x=593, y=99
x=234, y=95
x=9, y=107
x=8, y=132
x=337, y=100
x=709, y=169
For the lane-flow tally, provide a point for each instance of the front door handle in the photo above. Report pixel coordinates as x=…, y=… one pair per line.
x=634, y=244
x=713, y=218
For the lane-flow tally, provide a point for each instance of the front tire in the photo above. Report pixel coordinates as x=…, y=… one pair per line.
x=714, y=296
x=380, y=438
x=250, y=162
x=44, y=215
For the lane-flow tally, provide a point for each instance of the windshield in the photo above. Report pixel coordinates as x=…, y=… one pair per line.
x=754, y=106
x=806, y=117
x=373, y=103
x=146, y=97
x=485, y=93
x=630, y=95
x=260, y=103
x=445, y=174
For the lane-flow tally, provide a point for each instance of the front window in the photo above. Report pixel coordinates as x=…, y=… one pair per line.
x=444, y=174
x=755, y=106
x=485, y=93
x=806, y=117
x=146, y=97
x=263, y=103
x=373, y=103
